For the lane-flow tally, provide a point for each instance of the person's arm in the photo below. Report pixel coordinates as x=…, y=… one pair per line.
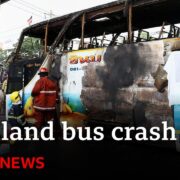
x=37, y=88
x=57, y=94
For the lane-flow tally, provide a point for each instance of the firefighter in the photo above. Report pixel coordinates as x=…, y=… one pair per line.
x=45, y=96
x=16, y=113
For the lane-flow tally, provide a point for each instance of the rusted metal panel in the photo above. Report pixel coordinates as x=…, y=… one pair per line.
x=150, y=95
x=115, y=88
x=155, y=114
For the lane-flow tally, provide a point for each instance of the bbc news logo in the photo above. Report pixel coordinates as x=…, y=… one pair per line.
x=22, y=163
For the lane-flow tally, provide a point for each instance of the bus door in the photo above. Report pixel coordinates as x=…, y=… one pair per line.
x=20, y=73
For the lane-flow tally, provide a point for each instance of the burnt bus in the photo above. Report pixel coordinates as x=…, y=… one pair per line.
x=104, y=59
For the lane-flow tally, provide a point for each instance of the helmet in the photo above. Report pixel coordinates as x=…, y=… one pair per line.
x=15, y=97
x=43, y=70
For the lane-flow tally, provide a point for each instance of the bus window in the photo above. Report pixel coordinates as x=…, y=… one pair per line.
x=15, y=76
x=32, y=47
x=30, y=70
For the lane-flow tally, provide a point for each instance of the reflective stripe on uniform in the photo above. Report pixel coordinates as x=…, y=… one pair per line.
x=42, y=108
x=47, y=92
x=23, y=123
x=16, y=117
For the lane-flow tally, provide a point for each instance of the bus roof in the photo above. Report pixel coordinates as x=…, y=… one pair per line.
x=111, y=18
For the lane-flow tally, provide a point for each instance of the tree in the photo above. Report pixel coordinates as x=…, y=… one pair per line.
x=31, y=47
x=3, y=54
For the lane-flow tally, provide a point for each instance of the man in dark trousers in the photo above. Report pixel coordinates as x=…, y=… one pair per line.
x=16, y=112
x=45, y=96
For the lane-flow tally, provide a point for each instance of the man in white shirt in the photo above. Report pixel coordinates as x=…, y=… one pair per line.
x=172, y=68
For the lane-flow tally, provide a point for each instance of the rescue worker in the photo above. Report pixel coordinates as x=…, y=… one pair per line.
x=45, y=96
x=16, y=112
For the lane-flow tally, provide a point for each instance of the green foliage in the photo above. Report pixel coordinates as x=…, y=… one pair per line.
x=31, y=47
x=3, y=55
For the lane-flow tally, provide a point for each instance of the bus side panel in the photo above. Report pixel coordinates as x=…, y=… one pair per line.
x=73, y=66
x=114, y=85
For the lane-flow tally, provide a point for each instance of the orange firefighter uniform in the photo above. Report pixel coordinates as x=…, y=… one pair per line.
x=45, y=95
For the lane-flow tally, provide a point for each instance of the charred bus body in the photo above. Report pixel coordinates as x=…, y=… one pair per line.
x=104, y=76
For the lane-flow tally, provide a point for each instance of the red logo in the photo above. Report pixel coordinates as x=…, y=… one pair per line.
x=22, y=163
